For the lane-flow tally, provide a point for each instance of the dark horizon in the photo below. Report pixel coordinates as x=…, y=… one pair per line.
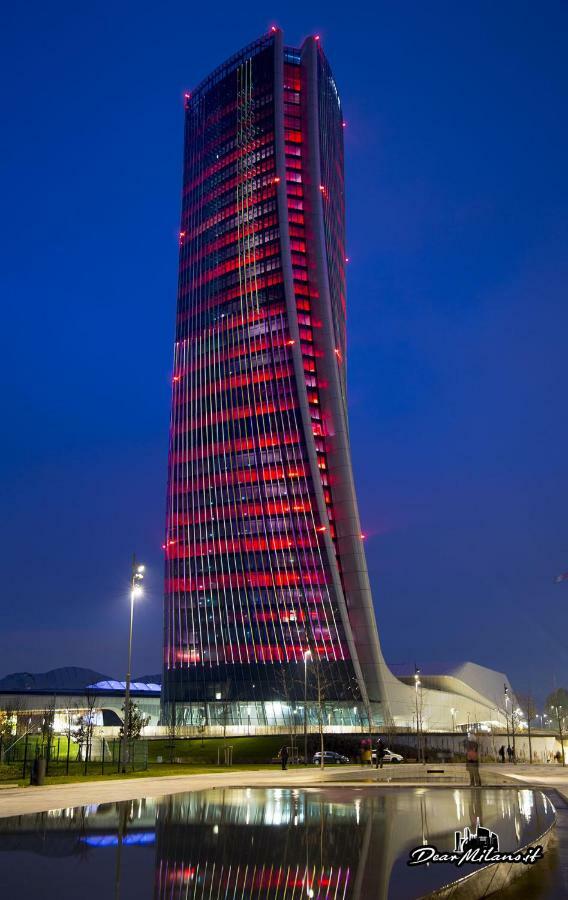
x=456, y=321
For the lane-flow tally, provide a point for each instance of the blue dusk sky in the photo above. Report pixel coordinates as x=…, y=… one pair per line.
x=457, y=190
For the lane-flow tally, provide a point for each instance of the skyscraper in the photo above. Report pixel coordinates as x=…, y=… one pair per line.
x=267, y=597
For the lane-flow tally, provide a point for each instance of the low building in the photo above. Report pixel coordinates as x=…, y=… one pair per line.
x=70, y=692
x=438, y=699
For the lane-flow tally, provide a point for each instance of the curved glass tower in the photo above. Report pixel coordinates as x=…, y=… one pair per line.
x=267, y=598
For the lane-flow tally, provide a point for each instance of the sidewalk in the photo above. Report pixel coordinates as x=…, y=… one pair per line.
x=21, y=801
x=550, y=776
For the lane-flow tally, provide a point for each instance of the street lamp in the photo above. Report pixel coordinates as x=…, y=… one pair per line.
x=506, y=693
x=453, y=712
x=306, y=654
x=136, y=577
x=416, y=686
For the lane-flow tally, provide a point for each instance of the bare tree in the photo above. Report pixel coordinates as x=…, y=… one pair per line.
x=85, y=729
x=283, y=680
x=172, y=730
x=556, y=705
x=526, y=702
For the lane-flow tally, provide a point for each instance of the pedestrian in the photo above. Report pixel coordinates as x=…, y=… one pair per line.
x=284, y=757
x=510, y=753
x=380, y=754
x=502, y=752
x=472, y=765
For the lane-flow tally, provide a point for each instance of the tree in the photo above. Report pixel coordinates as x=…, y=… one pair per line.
x=83, y=736
x=172, y=730
x=135, y=722
x=285, y=690
x=558, y=698
x=6, y=722
x=527, y=703
x=85, y=728
x=556, y=705
x=6, y=729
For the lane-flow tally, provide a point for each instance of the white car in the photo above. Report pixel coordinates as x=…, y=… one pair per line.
x=389, y=757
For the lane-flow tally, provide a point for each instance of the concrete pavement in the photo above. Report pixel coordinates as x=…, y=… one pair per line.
x=20, y=801
x=550, y=776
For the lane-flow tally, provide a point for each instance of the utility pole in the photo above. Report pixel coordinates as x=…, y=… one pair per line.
x=506, y=694
x=418, y=722
x=136, y=576
x=306, y=654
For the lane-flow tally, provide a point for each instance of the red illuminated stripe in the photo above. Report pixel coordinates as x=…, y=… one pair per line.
x=237, y=261
x=261, y=376
x=239, y=579
x=234, y=321
x=224, y=163
x=240, y=476
x=260, y=281
x=238, y=510
x=236, y=444
x=241, y=412
x=238, y=545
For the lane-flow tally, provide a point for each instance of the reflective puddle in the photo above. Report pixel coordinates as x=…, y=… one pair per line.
x=256, y=842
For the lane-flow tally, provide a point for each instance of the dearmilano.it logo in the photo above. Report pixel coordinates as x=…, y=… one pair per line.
x=478, y=848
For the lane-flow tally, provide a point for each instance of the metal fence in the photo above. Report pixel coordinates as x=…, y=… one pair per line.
x=62, y=757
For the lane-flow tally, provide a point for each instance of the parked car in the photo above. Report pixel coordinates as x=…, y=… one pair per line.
x=330, y=758
x=389, y=757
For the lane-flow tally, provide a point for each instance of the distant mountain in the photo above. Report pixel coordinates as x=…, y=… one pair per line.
x=58, y=681
x=149, y=679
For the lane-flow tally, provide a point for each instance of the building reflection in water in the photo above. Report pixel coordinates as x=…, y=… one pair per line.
x=345, y=843
x=277, y=843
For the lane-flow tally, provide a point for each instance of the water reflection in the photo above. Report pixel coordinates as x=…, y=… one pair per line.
x=270, y=843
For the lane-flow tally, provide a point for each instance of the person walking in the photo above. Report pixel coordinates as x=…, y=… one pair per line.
x=510, y=753
x=472, y=765
x=380, y=754
x=284, y=757
x=502, y=752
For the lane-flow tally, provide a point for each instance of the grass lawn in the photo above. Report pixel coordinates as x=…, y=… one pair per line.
x=193, y=756
x=153, y=771
x=196, y=751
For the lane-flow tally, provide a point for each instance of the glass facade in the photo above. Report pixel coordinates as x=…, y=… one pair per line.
x=254, y=608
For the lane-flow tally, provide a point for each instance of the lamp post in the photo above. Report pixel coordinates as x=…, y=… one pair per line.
x=506, y=693
x=453, y=712
x=560, y=731
x=306, y=654
x=136, y=576
x=416, y=686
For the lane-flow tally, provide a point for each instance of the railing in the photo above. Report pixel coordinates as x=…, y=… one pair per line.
x=98, y=756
